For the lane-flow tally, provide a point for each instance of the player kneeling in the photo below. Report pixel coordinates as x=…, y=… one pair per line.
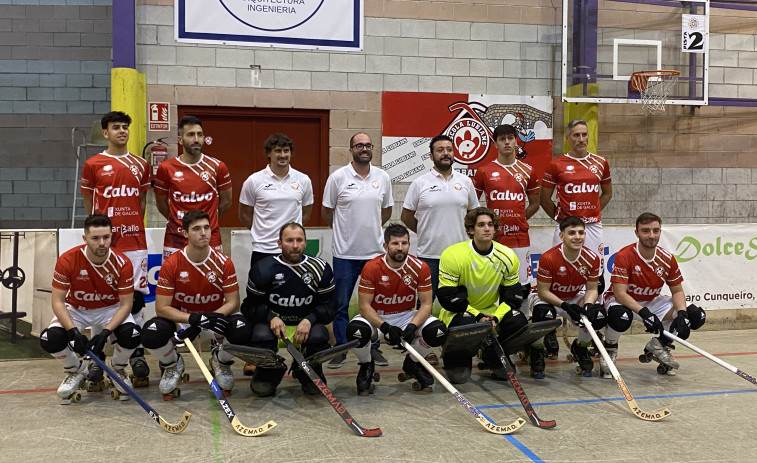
x=197, y=289
x=92, y=286
x=389, y=285
x=639, y=272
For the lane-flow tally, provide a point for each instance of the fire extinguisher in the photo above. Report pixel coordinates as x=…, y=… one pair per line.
x=158, y=153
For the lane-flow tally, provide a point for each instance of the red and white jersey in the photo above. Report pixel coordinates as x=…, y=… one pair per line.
x=394, y=290
x=188, y=187
x=577, y=182
x=93, y=286
x=645, y=278
x=115, y=183
x=197, y=287
x=565, y=278
x=507, y=189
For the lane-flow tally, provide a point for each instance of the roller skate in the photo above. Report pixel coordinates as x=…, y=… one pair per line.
x=119, y=393
x=221, y=371
x=551, y=345
x=660, y=353
x=414, y=370
x=536, y=360
x=581, y=355
x=95, y=380
x=365, y=378
x=612, y=352
x=75, y=377
x=593, y=350
x=140, y=376
x=171, y=375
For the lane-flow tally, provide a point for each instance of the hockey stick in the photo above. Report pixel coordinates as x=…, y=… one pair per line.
x=722, y=363
x=491, y=427
x=172, y=428
x=232, y=417
x=539, y=423
x=338, y=407
x=655, y=416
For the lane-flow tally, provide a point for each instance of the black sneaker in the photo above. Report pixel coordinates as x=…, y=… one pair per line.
x=378, y=357
x=338, y=361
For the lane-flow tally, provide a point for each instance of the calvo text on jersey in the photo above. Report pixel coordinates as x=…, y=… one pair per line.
x=192, y=197
x=197, y=298
x=290, y=301
x=120, y=192
x=581, y=188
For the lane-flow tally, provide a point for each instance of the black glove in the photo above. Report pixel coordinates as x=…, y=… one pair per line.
x=192, y=332
x=204, y=320
x=97, y=344
x=79, y=341
x=392, y=334
x=573, y=310
x=681, y=326
x=218, y=325
x=652, y=324
x=408, y=334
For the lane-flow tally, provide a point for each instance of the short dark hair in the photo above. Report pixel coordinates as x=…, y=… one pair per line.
x=472, y=216
x=97, y=220
x=571, y=221
x=291, y=225
x=574, y=123
x=114, y=116
x=188, y=120
x=277, y=139
x=352, y=138
x=437, y=139
x=193, y=216
x=647, y=217
x=504, y=130
x=396, y=230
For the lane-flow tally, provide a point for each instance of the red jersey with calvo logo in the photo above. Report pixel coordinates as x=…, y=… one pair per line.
x=565, y=278
x=189, y=187
x=394, y=290
x=577, y=183
x=645, y=278
x=197, y=287
x=507, y=188
x=92, y=286
x=115, y=183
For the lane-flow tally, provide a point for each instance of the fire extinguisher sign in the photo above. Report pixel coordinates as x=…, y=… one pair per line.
x=157, y=117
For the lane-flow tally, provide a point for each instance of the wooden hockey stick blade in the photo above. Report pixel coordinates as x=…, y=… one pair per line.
x=488, y=425
x=704, y=353
x=538, y=422
x=641, y=414
x=240, y=429
x=170, y=427
x=335, y=403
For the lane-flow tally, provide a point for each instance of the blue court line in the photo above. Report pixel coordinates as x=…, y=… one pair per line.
x=535, y=458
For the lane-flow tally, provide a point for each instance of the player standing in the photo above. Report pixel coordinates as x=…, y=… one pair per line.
x=387, y=301
x=115, y=183
x=92, y=286
x=639, y=272
x=289, y=295
x=196, y=286
x=191, y=181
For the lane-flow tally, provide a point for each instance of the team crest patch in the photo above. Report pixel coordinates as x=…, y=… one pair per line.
x=593, y=169
x=134, y=170
x=295, y=186
x=518, y=177
x=109, y=279
x=212, y=277
x=659, y=271
x=307, y=278
x=205, y=176
x=375, y=185
x=407, y=280
x=582, y=270
x=458, y=187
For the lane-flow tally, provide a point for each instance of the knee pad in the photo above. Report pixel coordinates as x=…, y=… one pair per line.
x=597, y=315
x=156, y=332
x=318, y=339
x=265, y=380
x=263, y=337
x=462, y=318
x=510, y=325
x=138, y=303
x=434, y=334
x=128, y=336
x=543, y=312
x=680, y=326
x=619, y=318
x=53, y=339
x=360, y=331
x=239, y=331
x=697, y=316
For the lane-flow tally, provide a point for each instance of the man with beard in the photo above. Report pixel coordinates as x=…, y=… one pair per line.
x=638, y=274
x=357, y=201
x=389, y=285
x=189, y=182
x=290, y=295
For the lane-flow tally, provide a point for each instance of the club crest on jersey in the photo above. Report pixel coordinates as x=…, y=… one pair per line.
x=134, y=170
x=407, y=280
x=211, y=276
x=307, y=278
x=593, y=169
x=295, y=186
x=518, y=177
x=205, y=176
x=375, y=185
x=582, y=270
x=109, y=278
x=458, y=187
x=659, y=271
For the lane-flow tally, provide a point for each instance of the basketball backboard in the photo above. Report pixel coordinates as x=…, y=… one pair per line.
x=605, y=41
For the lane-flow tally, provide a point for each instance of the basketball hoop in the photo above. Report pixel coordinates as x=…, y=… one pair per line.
x=654, y=87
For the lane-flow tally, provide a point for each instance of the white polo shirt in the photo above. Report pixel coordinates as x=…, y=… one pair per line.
x=440, y=206
x=276, y=201
x=357, y=204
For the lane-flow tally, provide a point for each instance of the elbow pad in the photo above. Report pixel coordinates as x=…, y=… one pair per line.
x=453, y=299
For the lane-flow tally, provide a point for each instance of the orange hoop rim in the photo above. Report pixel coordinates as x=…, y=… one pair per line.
x=639, y=79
